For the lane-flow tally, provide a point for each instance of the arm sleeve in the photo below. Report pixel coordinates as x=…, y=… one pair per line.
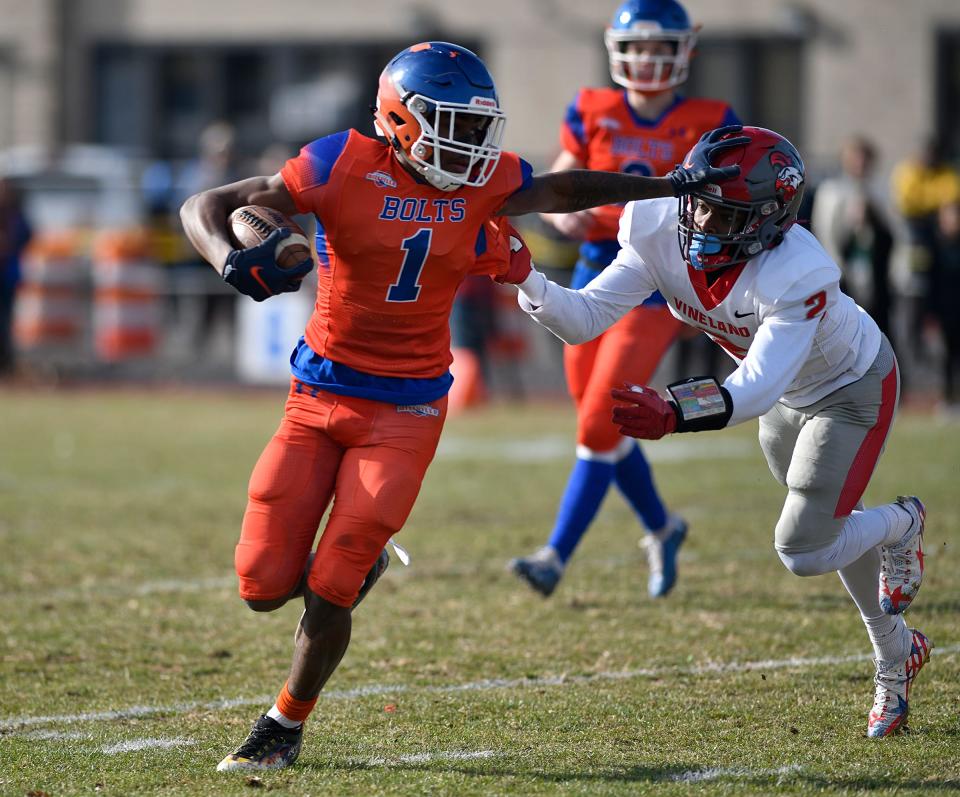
x=579, y=316
x=775, y=357
x=781, y=346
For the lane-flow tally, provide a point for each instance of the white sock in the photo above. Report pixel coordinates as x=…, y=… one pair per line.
x=286, y=722
x=888, y=634
x=881, y=525
x=668, y=528
x=890, y=637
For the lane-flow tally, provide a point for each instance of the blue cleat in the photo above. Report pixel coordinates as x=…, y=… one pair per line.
x=541, y=570
x=662, y=556
x=891, y=702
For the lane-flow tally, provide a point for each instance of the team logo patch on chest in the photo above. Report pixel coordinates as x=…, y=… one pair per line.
x=420, y=410
x=381, y=179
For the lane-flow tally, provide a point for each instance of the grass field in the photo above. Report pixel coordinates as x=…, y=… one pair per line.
x=128, y=665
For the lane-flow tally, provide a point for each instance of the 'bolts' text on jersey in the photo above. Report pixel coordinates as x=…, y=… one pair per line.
x=423, y=210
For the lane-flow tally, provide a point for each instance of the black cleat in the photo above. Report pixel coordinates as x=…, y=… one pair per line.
x=269, y=746
x=378, y=569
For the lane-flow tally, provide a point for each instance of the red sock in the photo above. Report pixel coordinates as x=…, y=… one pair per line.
x=293, y=709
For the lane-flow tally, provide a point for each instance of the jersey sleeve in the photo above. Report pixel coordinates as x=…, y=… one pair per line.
x=789, y=322
x=573, y=137
x=306, y=176
x=576, y=316
x=776, y=355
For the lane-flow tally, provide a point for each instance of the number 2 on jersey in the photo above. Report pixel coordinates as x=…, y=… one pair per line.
x=816, y=303
x=416, y=248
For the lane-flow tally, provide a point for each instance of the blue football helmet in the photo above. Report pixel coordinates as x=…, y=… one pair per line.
x=639, y=22
x=437, y=106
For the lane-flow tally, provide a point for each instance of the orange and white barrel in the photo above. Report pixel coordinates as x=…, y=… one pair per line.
x=51, y=302
x=127, y=296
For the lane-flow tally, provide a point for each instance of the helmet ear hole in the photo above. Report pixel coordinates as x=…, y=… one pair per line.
x=396, y=118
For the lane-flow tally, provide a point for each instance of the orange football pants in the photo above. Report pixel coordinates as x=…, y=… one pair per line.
x=370, y=457
x=629, y=351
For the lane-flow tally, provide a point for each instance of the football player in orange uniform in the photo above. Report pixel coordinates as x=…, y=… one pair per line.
x=401, y=220
x=644, y=127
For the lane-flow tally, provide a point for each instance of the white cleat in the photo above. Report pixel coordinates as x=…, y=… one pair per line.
x=901, y=565
x=891, y=700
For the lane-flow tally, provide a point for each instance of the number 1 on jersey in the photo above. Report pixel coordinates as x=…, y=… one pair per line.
x=407, y=287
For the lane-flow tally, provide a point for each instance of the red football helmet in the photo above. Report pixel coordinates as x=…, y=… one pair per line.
x=437, y=105
x=726, y=223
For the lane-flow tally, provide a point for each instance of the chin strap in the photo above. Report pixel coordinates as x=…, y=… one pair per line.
x=701, y=403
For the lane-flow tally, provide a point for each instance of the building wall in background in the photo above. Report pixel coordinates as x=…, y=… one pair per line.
x=865, y=65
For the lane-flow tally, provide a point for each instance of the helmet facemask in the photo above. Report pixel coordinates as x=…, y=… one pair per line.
x=644, y=72
x=742, y=231
x=458, y=143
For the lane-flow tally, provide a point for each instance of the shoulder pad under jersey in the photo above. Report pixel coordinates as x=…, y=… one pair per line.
x=793, y=270
x=646, y=218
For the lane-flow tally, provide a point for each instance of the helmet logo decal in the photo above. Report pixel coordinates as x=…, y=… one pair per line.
x=788, y=183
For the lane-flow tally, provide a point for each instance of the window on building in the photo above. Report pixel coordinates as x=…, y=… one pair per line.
x=286, y=93
x=761, y=77
x=7, y=114
x=948, y=92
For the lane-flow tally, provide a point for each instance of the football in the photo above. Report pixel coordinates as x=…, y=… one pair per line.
x=251, y=224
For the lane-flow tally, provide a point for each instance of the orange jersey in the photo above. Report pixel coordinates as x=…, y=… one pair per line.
x=392, y=252
x=605, y=133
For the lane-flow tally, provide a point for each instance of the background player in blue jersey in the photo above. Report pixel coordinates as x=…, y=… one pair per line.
x=644, y=127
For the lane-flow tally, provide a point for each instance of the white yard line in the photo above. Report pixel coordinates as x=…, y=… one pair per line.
x=421, y=758
x=701, y=775
x=57, y=736
x=550, y=448
x=133, y=745
x=9, y=724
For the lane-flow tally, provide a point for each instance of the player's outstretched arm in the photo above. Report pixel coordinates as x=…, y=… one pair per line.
x=204, y=215
x=572, y=225
x=579, y=189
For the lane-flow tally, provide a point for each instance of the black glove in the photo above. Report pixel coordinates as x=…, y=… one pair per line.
x=698, y=170
x=686, y=181
x=255, y=273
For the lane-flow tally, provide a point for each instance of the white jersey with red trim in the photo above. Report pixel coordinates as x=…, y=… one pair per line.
x=781, y=315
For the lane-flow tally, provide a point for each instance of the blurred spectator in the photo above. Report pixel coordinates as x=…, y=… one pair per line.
x=217, y=163
x=946, y=280
x=14, y=235
x=272, y=158
x=848, y=220
x=922, y=184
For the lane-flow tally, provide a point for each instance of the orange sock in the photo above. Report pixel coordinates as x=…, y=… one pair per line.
x=293, y=709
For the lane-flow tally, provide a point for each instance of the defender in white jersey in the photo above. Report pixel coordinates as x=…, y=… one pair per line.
x=812, y=365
